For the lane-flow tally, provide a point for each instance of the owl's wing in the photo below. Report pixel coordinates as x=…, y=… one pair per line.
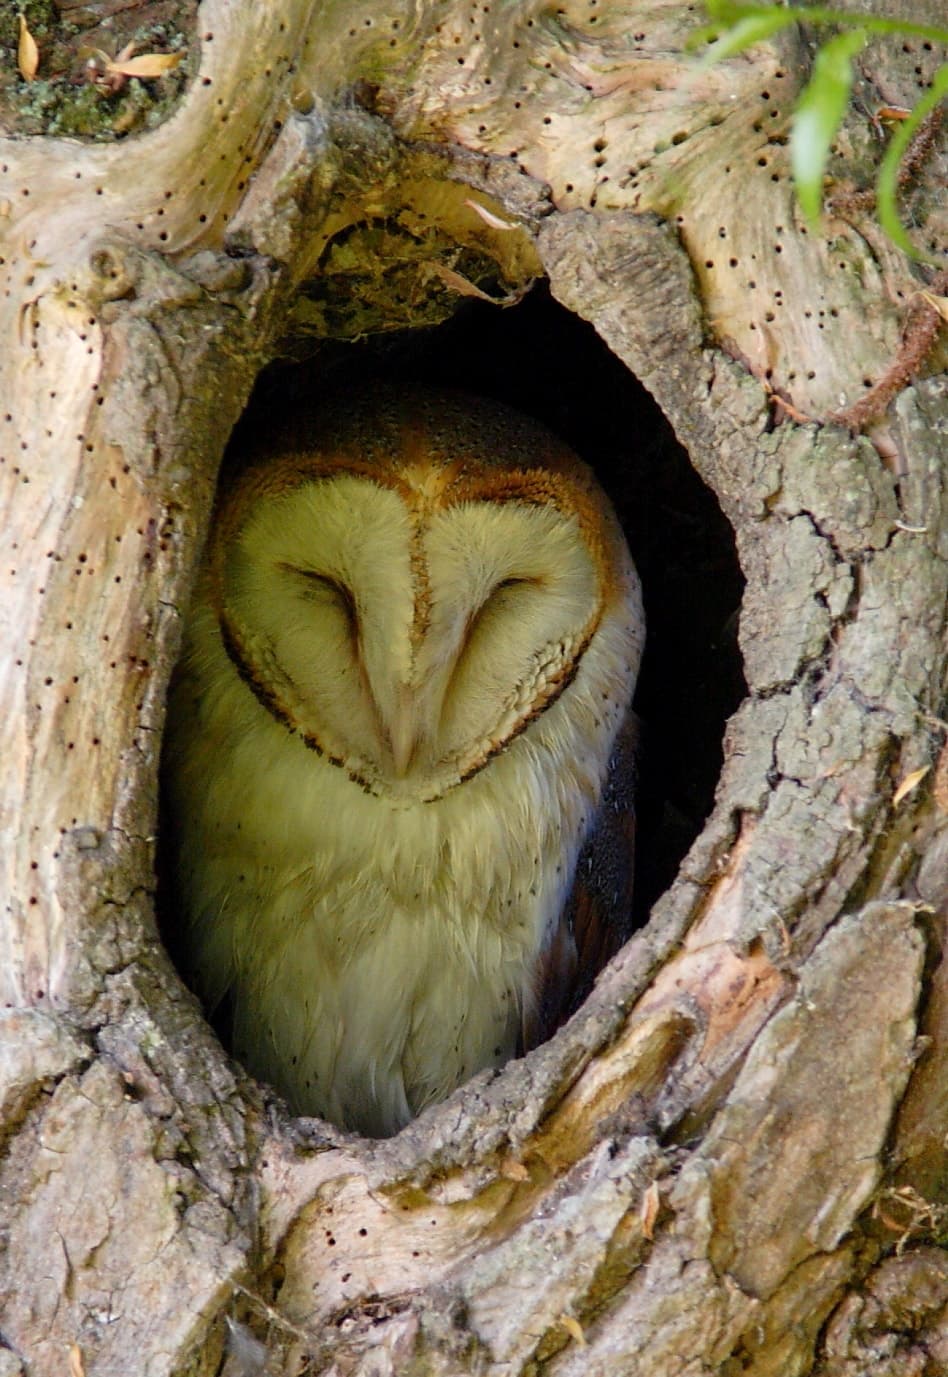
x=597, y=917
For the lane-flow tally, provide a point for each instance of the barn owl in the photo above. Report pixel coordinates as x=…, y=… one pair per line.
x=398, y=751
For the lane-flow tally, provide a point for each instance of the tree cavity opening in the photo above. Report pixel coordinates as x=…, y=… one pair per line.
x=549, y=365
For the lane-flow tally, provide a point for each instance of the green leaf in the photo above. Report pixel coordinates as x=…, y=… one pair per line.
x=737, y=25
x=730, y=11
x=887, y=185
x=726, y=11
x=751, y=29
x=819, y=112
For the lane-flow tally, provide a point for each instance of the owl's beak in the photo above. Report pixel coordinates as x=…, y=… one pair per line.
x=403, y=730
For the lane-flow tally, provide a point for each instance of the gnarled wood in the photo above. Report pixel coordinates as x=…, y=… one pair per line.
x=695, y=1174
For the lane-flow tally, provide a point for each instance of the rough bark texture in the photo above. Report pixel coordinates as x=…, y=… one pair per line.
x=709, y=1169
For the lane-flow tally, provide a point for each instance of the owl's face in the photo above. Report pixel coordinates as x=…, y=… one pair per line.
x=408, y=619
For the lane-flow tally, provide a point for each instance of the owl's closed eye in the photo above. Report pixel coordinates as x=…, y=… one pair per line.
x=401, y=714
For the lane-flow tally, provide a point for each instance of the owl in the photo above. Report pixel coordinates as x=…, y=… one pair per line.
x=399, y=752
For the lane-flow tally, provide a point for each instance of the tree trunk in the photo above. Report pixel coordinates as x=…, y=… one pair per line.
x=733, y=1158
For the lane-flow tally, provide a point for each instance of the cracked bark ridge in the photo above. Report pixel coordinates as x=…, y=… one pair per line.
x=704, y=1170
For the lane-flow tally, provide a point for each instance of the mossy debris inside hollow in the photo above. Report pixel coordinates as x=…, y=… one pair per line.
x=72, y=92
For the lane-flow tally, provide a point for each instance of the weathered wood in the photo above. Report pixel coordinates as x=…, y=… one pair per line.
x=696, y=1175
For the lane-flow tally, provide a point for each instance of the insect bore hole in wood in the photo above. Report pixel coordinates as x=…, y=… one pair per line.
x=297, y=647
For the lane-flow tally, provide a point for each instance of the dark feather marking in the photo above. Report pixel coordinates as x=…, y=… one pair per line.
x=597, y=917
x=261, y=691
x=558, y=686
x=269, y=700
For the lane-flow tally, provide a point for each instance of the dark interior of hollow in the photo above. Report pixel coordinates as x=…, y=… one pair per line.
x=538, y=357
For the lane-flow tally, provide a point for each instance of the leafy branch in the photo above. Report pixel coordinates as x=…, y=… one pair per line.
x=822, y=103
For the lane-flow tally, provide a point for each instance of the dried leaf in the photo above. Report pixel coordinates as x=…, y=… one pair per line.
x=87, y=52
x=786, y=941
x=940, y=782
x=895, y=1225
x=908, y=784
x=458, y=283
x=76, y=1365
x=940, y=303
x=513, y=1170
x=147, y=65
x=489, y=217
x=463, y=287
x=27, y=53
x=574, y=1329
x=648, y=1213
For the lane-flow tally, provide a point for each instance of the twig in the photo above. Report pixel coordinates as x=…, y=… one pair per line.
x=919, y=334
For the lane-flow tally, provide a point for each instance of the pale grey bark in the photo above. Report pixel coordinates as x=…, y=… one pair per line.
x=700, y=1173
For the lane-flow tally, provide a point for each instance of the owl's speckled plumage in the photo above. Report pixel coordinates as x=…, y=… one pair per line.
x=406, y=671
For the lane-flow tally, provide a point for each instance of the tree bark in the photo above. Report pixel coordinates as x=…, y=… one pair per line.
x=733, y=1158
